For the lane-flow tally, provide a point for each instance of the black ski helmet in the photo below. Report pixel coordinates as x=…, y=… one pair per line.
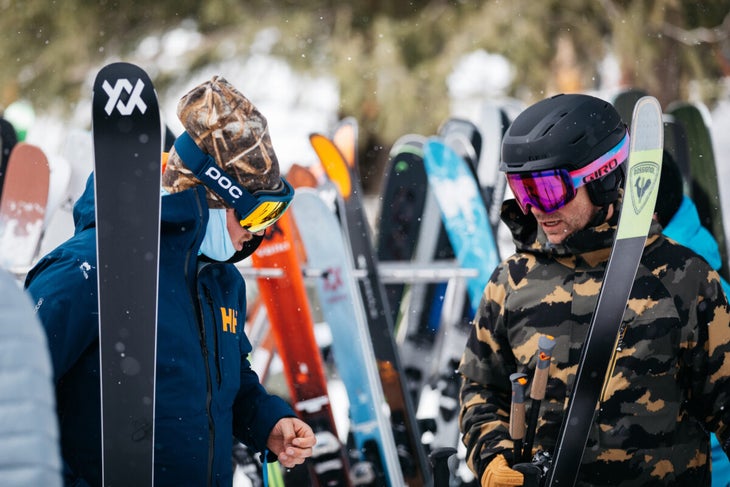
x=566, y=131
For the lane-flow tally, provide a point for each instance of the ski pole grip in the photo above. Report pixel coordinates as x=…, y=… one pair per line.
x=545, y=346
x=439, y=460
x=517, y=409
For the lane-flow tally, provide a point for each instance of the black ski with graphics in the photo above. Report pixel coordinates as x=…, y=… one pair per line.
x=127, y=167
x=642, y=183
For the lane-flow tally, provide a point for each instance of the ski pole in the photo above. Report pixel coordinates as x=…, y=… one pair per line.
x=517, y=413
x=439, y=460
x=545, y=346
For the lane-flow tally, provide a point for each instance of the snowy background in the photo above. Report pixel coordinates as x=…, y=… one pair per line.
x=295, y=105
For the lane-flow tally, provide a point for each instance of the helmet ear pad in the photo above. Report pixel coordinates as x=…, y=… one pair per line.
x=605, y=191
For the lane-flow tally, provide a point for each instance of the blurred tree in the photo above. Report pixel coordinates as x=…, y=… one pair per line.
x=392, y=59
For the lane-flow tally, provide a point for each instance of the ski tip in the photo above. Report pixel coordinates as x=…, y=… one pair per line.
x=345, y=138
x=333, y=162
x=411, y=143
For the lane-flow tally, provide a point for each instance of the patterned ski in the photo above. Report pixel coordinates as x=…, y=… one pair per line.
x=463, y=212
x=644, y=169
x=23, y=207
x=127, y=151
x=344, y=174
x=290, y=316
x=327, y=256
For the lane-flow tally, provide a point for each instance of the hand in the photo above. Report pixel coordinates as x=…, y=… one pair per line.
x=291, y=440
x=499, y=474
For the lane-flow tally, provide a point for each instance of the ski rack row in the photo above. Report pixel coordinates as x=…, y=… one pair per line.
x=390, y=272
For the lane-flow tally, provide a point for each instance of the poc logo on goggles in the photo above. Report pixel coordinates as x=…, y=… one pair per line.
x=224, y=182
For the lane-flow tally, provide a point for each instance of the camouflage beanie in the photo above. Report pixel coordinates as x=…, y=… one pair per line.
x=227, y=126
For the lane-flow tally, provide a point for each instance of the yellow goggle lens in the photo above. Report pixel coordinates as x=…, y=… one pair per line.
x=265, y=215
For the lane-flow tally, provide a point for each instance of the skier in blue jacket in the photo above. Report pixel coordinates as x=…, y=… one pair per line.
x=206, y=391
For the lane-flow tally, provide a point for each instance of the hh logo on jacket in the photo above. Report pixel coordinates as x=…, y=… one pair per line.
x=229, y=317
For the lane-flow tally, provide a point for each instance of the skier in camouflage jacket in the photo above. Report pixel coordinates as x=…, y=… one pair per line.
x=668, y=382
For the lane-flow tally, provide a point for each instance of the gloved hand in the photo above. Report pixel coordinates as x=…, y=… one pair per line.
x=499, y=474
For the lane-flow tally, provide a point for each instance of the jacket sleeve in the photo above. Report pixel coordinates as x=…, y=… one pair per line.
x=255, y=411
x=64, y=290
x=485, y=394
x=707, y=358
x=29, y=447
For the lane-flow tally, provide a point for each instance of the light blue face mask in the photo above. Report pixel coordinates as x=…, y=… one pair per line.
x=217, y=243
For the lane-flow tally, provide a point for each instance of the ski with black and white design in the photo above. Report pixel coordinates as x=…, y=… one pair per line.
x=642, y=183
x=127, y=169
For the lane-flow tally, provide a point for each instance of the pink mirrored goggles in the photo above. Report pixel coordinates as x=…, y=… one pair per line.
x=551, y=189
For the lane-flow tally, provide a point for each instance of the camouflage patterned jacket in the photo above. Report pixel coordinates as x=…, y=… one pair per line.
x=670, y=377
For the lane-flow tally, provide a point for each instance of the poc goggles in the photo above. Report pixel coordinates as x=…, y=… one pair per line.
x=271, y=204
x=255, y=211
x=551, y=189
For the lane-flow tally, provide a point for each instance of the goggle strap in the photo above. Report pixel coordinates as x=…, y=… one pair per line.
x=204, y=167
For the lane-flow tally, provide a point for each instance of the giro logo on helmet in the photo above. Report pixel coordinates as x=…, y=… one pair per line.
x=601, y=171
x=224, y=182
x=115, y=93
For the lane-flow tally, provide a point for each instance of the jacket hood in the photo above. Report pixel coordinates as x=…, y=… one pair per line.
x=84, y=212
x=173, y=211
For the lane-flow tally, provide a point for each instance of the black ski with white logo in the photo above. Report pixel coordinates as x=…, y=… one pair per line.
x=127, y=152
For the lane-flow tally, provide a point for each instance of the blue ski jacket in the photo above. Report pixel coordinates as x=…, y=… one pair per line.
x=206, y=392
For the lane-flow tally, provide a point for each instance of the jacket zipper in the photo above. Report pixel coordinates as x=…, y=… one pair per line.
x=618, y=346
x=216, y=354
x=204, y=351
